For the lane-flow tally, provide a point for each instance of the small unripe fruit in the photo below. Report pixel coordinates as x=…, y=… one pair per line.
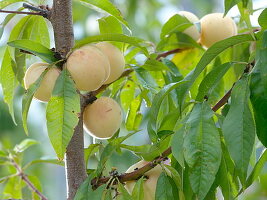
x=102, y=118
x=87, y=67
x=150, y=184
x=116, y=60
x=215, y=27
x=44, y=92
x=192, y=31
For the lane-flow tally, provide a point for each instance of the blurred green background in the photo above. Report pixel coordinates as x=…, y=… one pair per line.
x=145, y=18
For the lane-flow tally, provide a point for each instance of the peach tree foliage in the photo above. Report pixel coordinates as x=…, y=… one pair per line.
x=206, y=107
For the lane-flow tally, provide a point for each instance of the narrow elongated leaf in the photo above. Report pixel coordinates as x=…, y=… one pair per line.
x=208, y=56
x=177, y=145
x=109, y=25
x=4, y=23
x=258, y=88
x=138, y=190
x=174, y=24
x=85, y=191
x=8, y=82
x=239, y=128
x=152, y=126
x=257, y=169
x=35, y=48
x=166, y=188
x=124, y=195
x=133, y=114
x=202, y=149
x=45, y=160
x=210, y=81
x=62, y=113
x=107, y=6
x=134, y=41
x=228, y=4
x=6, y=3
x=25, y=144
x=263, y=19
x=27, y=99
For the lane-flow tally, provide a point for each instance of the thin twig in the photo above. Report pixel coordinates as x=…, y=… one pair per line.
x=27, y=181
x=89, y=97
x=21, y=12
x=165, y=54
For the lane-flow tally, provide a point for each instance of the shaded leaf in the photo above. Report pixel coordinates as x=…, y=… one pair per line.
x=138, y=190
x=27, y=99
x=166, y=188
x=228, y=4
x=239, y=128
x=152, y=126
x=202, y=149
x=85, y=191
x=35, y=48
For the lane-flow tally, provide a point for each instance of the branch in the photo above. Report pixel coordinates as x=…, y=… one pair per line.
x=96, y=182
x=27, y=181
x=88, y=97
x=21, y=12
x=165, y=54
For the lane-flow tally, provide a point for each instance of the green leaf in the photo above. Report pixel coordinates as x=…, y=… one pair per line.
x=174, y=175
x=27, y=99
x=207, y=57
x=152, y=126
x=86, y=192
x=134, y=41
x=166, y=188
x=133, y=114
x=5, y=22
x=174, y=24
x=45, y=160
x=239, y=128
x=13, y=188
x=109, y=25
x=177, y=145
x=257, y=169
x=127, y=94
x=211, y=80
x=25, y=144
x=263, y=19
x=138, y=190
x=35, y=48
x=62, y=113
x=89, y=151
x=123, y=194
x=37, y=184
x=202, y=149
x=6, y=3
x=154, y=65
x=228, y=4
x=8, y=82
x=107, y=6
x=146, y=80
x=107, y=152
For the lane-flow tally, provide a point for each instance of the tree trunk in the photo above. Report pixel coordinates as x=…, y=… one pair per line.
x=61, y=19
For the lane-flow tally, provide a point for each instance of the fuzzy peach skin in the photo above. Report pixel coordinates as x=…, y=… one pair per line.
x=150, y=184
x=87, y=66
x=44, y=92
x=192, y=31
x=102, y=118
x=116, y=60
x=215, y=27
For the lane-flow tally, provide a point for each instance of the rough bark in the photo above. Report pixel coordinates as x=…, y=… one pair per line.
x=61, y=19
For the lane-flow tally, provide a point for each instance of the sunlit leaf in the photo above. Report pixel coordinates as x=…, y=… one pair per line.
x=62, y=113
x=263, y=19
x=35, y=48
x=106, y=6
x=25, y=144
